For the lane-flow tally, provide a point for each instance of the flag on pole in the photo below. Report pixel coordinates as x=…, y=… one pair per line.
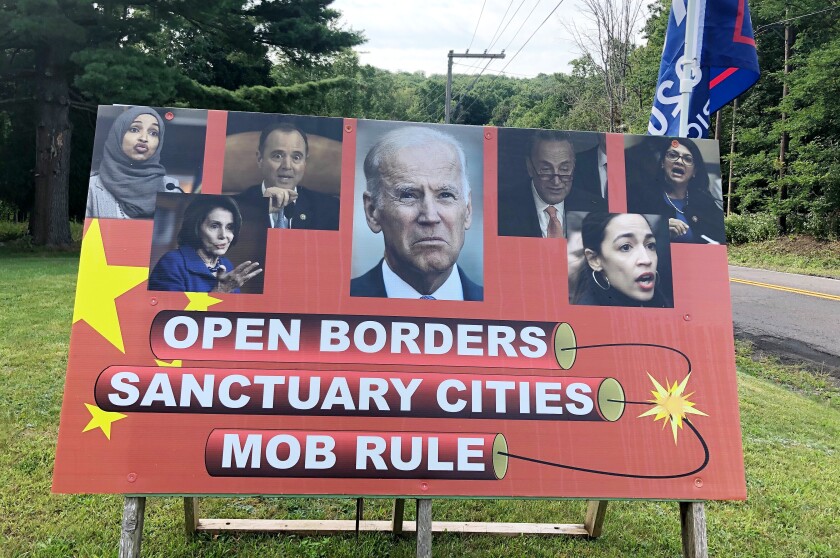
x=724, y=48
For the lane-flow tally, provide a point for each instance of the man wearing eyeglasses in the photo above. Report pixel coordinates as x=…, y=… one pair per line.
x=537, y=208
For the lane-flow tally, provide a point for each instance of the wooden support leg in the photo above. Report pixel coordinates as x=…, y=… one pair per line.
x=134, y=512
x=596, y=510
x=693, y=527
x=190, y=517
x=397, y=517
x=360, y=506
x=424, y=528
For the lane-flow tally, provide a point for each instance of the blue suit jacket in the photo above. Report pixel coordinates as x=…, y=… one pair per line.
x=372, y=284
x=182, y=270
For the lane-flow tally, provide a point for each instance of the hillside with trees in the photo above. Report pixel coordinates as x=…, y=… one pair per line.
x=784, y=135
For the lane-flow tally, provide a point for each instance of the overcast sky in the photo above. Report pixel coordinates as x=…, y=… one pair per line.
x=414, y=35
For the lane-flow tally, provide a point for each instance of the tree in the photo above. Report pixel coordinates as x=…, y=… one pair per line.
x=59, y=54
x=607, y=44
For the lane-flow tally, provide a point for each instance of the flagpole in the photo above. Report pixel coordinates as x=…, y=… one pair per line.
x=689, y=66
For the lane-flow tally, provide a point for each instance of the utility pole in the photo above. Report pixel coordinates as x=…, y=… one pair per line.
x=731, y=157
x=783, y=144
x=447, y=112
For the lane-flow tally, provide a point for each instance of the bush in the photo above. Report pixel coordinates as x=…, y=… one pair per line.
x=11, y=230
x=750, y=227
x=8, y=212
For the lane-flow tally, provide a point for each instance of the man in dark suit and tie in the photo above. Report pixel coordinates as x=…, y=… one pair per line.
x=418, y=196
x=537, y=206
x=281, y=157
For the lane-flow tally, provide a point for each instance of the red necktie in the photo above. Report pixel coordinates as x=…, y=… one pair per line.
x=555, y=226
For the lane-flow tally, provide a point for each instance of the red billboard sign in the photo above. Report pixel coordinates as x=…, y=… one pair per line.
x=272, y=304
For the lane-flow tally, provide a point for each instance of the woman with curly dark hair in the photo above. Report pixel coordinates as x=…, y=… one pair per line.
x=681, y=193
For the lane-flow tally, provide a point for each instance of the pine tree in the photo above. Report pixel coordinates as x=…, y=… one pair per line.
x=60, y=54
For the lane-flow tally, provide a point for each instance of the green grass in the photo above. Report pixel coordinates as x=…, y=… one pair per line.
x=790, y=425
x=796, y=254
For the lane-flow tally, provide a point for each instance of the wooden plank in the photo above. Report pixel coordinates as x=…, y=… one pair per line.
x=331, y=527
x=693, y=528
x=596, y=510
x=190, y=517
x=397, y=516
x=134, y=511
x=424, y=528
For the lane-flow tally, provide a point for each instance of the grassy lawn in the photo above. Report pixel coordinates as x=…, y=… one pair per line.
x=790, y=424
x=795, y=254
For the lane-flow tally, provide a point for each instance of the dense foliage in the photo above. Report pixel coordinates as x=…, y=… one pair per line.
x=61, y=54
x=206, y=57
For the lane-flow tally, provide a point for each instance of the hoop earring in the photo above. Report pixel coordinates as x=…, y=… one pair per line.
x=607, y=279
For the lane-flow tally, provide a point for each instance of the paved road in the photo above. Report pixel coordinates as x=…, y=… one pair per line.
x=794, y=316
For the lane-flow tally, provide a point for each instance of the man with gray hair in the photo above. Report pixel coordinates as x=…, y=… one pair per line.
x=418, y=197
x=536, y=204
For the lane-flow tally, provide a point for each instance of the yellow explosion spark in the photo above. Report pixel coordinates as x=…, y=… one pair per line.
x=671, y=404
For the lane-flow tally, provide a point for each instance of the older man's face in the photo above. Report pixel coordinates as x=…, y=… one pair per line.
x=551, y=165
x=422, y=212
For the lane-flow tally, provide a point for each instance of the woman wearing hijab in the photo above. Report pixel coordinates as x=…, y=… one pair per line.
x=621, y=262
x=130, y=174
x=681, y=193
x=210, y=227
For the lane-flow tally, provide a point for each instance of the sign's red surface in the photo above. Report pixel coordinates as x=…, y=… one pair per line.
x=521, y=376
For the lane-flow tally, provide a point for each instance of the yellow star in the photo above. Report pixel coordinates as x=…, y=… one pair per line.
x=174, y=364
x=100, y=284
x=101, y=419
x=200, y=301
x=671, y=405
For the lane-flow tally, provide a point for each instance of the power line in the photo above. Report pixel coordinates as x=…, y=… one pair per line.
x=523, y=24
x=447, y=104
x=763, y=27
x=528, y=40
x=532, y=34
x=520, y=48
x=470, y=86
x=500, y=23
x=492, y=71
x=435, y=101
x=476, y=24
x=506, y=25
x=462, y=92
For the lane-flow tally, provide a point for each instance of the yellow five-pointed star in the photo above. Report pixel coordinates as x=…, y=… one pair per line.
x=101, y=419
x=200, y=301
x=100, y=284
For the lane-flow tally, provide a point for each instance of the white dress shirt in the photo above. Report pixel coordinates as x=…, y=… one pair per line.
x=543, y=216
x=602, y=171
x=284, y=222
x=395, y=287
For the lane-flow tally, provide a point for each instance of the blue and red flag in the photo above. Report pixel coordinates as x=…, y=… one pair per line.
x=727, y=58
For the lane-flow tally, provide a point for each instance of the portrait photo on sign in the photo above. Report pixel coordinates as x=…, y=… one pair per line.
x=141, y=151
x=544, y=175
x=679, y=179
x=418, y=212
x=619, y=259
x=198, y=245
x=293, y=162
